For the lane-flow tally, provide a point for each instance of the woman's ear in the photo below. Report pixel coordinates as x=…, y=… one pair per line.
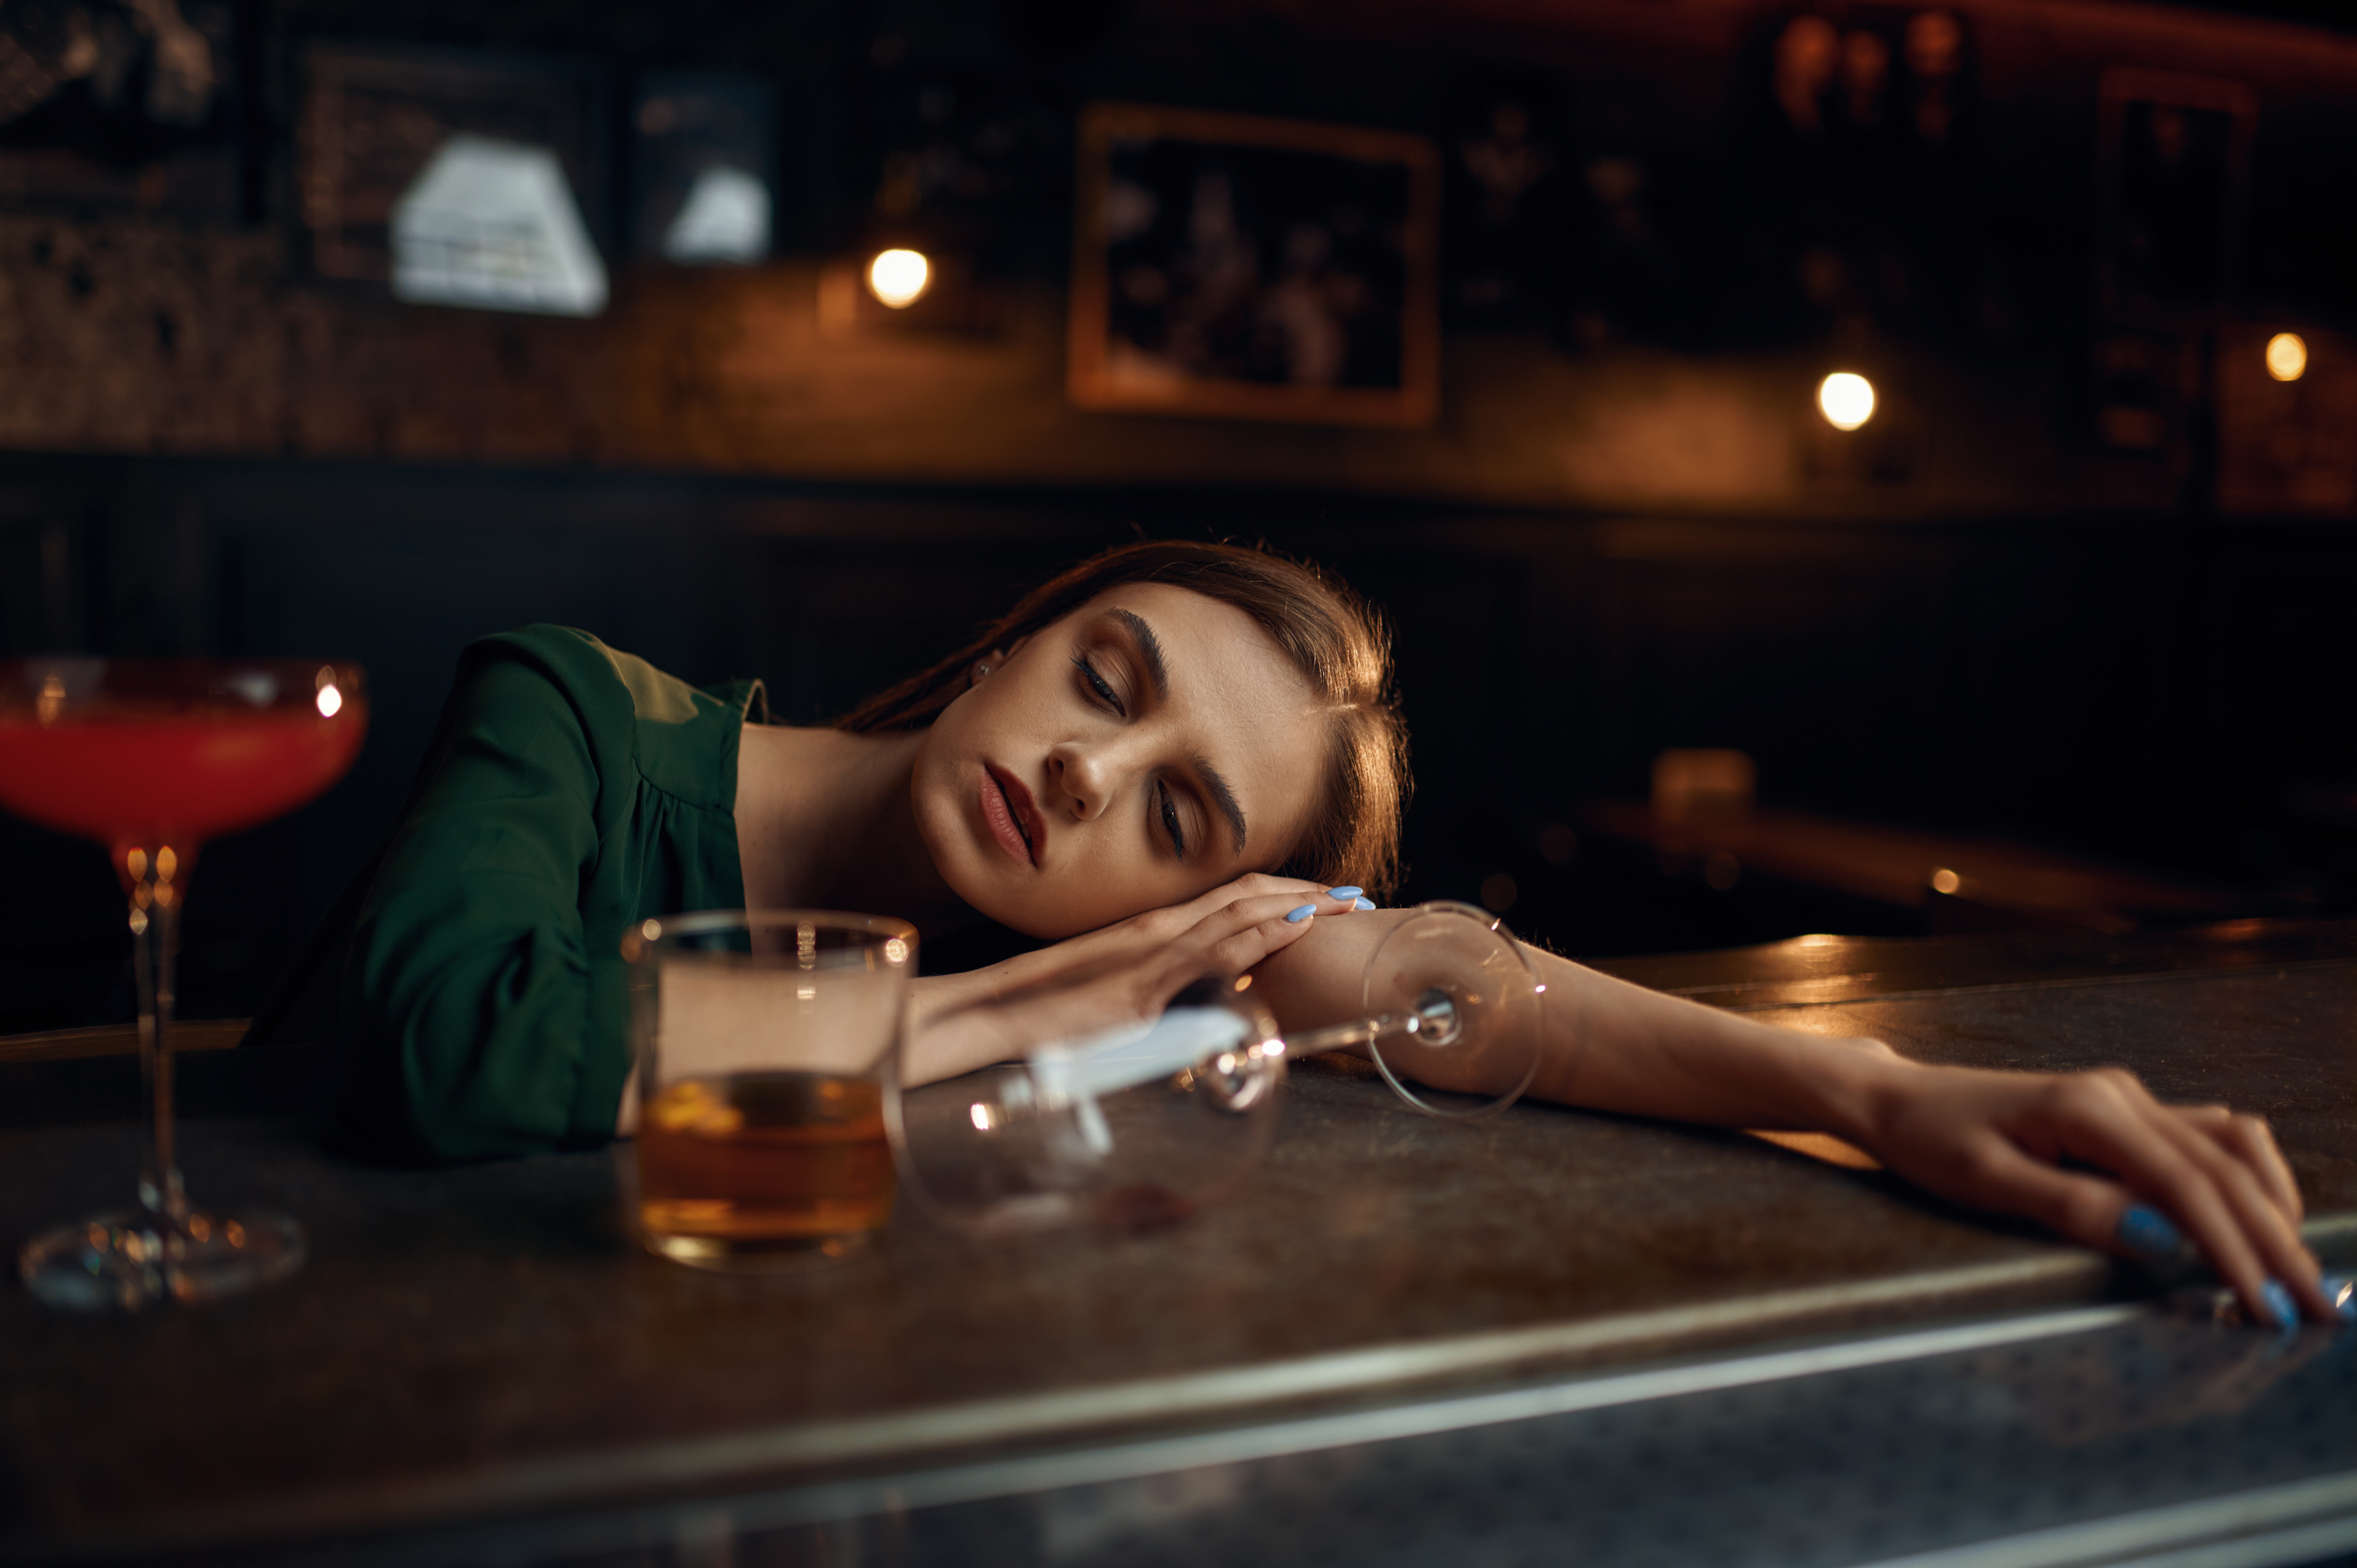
x=993, y=659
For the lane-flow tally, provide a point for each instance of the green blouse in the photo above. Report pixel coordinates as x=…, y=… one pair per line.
x=571, y=793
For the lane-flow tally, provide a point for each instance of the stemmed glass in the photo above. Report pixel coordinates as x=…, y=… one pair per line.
x=1449, y=1012
x=1149, y=1122
x=153, y=758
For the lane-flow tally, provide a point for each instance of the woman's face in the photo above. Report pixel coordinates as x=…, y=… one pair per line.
x=1150, y=745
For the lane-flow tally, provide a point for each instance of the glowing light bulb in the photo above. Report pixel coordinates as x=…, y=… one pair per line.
x=1846, y=400
x=2287, y=356
x=899, y=278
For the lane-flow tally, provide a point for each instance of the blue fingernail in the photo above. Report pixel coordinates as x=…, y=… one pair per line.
x=1301, y=914
x=2341, y=1295
x=1364, y=904
x=2146, y=1231
x=1345, y=894
x=2279, y=1304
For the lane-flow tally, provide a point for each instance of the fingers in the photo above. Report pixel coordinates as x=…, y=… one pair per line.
x=1240, y=951
x=2109, y=1119
x=2248, y=1139
x=1251, y=885
x=1242, y=932
x=1235, y=937
x=1291, y=906
x=1228, y=939
x=1112, y=976
x=2086, y=1208
x=2273, y=1230
x=1338, y=901
x=1155, y=929
x=2204, y=1173
x=1239, y=934
x=2099, y=1213
x=2239, y=1155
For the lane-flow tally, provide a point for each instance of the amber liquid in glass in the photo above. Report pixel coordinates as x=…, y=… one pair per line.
x=781, y=1164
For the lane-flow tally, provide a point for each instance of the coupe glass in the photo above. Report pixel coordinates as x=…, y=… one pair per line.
x=1146, y=1123
x=152, y=757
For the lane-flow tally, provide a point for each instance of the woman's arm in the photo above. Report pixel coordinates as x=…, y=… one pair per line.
x=482, y=1023
x=1990, y=1140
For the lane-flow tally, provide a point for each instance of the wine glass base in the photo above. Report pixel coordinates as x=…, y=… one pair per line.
x=121, y=1263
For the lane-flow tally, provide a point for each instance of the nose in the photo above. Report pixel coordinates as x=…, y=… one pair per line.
x=1088, y=773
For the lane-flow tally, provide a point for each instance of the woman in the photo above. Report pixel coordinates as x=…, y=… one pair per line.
x=1187, y=753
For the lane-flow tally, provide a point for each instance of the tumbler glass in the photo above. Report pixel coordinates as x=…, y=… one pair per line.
x=766, y=1041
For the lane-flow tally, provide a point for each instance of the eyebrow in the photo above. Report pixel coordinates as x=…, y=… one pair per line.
x=1150, y=647
x=1158, y=670
x=1222, y=797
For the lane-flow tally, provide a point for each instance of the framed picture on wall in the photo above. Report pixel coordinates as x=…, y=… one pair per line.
x=1253, y=268
x=388, y=134
x=2173, y=157
x=2173, y=178
x=116, y=104
x=703, y=169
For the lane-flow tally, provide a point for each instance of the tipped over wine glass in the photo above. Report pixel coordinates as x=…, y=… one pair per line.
x=153, y=759
x=1149, y=1122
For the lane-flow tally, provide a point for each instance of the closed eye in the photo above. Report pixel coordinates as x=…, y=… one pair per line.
x=1101, y=689
x=1170, y=822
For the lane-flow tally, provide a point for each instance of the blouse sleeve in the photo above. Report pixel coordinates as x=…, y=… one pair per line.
x=469, y=988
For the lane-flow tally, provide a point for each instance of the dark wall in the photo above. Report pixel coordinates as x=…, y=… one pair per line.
x=2144, y=690
x=1626, y=529
x=1684, y=277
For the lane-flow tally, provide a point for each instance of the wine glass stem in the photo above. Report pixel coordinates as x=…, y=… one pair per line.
x=1336, y=1036
x=155, y=931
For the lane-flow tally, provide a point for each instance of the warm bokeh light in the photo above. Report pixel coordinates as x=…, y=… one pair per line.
x=899, y=278
x=2287, y=356
x=1846, y=399
x=331, y=702
x=1945, y=881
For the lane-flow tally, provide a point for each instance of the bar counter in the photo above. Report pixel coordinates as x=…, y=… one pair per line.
x=477, y=1365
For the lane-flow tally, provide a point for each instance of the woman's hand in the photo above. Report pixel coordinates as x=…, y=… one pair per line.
x=1124, y=973
x=2091, y=1155
x=1999, y=1141
x=1157, y=928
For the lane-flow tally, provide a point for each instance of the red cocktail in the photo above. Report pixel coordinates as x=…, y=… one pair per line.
x=153, y=758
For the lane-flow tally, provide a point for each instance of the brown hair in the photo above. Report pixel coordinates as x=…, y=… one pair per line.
x=1337, y=642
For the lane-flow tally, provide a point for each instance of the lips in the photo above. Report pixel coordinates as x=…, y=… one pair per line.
x=1014, y=818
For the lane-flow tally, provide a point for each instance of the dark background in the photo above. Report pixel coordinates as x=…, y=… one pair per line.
x=1628, y=530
